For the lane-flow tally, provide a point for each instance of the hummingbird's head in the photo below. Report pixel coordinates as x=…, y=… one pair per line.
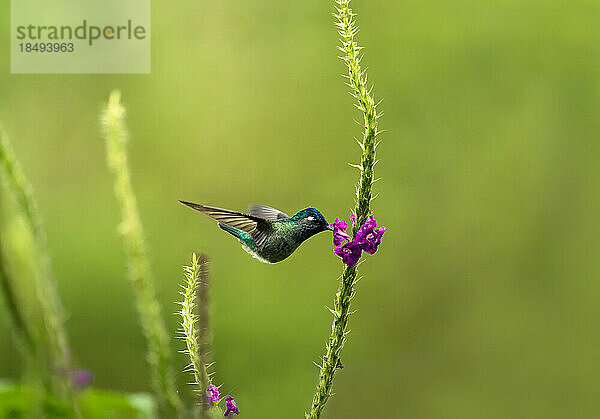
x=312, y=221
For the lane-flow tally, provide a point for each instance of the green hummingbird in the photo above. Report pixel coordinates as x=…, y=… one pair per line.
x=267, y=234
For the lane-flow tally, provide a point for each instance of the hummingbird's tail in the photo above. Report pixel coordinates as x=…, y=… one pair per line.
x=232, y=230
x=248, y=229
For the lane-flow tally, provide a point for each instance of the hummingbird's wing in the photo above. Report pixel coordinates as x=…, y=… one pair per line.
x=268, y=213
x=257, y=227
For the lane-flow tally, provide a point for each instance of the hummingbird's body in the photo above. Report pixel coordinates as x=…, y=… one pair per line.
x=267, y=234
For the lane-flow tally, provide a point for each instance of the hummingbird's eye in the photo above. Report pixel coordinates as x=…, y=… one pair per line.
x=310, y=218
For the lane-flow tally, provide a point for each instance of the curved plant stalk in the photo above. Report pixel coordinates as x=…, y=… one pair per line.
x=195, y=275
x=204, y=336
x=12, y=303
x=357, y=81
x=148, y=307
x=57, y=351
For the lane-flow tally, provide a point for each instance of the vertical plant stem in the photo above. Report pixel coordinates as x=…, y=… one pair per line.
x=34, y=357
x=45, y=284
x=204, y=336
x=357, y=81
x=194, y=275
x=189, y=321
x=12, y=303
x=148, y=308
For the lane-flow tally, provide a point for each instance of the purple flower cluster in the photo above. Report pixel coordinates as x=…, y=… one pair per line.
x=231, y=406
x=367, y=239
x=212, y=393
x=369, y=236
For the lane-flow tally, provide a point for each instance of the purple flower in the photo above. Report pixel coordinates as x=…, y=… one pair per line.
x=340, y=224
x=339, y=231
x=350, y=252
x=368, y=236
x=212, y=393
x=81, y=379
x=231, y=406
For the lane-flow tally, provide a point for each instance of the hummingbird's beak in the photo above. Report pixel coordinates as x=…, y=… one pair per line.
x=329, y=227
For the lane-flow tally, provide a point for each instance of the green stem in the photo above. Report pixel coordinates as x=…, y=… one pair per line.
x=21, y=326
x=204, y=336
x=147, y=305
x=45, y=284
x=189, y=321
x=195, y=275
x=357, y=81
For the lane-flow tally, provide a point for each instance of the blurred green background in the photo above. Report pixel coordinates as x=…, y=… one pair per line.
x=482, y=300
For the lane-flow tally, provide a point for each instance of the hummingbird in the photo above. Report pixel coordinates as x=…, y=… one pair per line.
x=268, y=234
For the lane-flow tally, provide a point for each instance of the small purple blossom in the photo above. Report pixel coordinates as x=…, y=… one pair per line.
x=231, y=406
x=212, y=393
x=368, y=236
x=350, y=252
x=339, y=231
x=340, y=224
x=81, y=379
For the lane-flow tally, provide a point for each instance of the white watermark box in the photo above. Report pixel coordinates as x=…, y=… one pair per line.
x=80, y=36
